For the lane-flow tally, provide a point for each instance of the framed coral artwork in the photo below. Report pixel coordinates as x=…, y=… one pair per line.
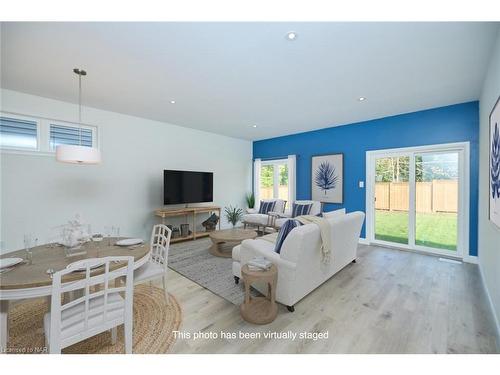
x=327, y=178
x=494, y=188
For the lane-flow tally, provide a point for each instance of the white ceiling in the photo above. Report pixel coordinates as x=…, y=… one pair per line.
x=225, y=77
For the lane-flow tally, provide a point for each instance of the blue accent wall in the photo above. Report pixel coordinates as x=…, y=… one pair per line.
x=455, y=123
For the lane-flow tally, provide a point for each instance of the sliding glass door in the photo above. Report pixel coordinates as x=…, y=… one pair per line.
x=417, y=198
x=436, y=200
x=392, y=198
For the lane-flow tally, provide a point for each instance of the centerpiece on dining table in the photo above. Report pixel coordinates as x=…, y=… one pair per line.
x=73, y=235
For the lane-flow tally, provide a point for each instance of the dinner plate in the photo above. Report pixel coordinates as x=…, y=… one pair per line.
x=80, y=265
x=129, y=242
x=9, y=262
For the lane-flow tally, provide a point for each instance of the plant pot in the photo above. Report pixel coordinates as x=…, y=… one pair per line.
x=184, y=230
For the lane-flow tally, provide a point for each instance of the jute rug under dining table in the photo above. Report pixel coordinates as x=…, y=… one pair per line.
x=154, y=323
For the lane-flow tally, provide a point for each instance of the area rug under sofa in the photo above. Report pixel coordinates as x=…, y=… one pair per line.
x=192, y=260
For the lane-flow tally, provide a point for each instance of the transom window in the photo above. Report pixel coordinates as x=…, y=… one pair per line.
x=18, y=133
x=32, y=134
x=69, y=135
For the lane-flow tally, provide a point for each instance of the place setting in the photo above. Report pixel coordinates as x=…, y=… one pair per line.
x=8, y=264
x=131, y=243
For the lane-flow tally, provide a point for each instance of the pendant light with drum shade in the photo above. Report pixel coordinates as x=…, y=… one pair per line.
x=78, y=154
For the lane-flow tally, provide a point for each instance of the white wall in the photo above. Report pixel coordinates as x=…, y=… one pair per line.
x=488, y=233
x=38, y=193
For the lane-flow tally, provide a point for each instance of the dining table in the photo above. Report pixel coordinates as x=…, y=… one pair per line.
x=32, y=278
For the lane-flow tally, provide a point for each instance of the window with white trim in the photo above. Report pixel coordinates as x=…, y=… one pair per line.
x=70, y=135
x=20, y=133
x=274, y=179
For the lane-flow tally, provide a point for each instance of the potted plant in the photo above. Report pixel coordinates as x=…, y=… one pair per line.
x=233, y=214
x=250, y=198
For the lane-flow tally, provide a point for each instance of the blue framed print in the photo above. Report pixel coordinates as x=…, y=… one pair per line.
x=494, y=185
x=327, y=179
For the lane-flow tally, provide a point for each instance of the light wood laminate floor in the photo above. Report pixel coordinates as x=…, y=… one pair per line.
x=390, y=301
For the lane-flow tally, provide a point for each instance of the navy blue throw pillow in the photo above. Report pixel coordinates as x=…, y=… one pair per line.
x=285, y=229
x=266, y=207
x=301, y=209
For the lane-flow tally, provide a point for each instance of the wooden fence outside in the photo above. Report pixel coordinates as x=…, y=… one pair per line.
x=435, y=196
x=267, y=193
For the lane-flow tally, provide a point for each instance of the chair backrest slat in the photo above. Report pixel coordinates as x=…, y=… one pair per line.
x=87, y=292
x=106, y=288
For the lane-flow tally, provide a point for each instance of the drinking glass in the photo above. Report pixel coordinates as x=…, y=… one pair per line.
x=107, y=232
x=112, y=235
x=89, y=232
x=28, y=242
x=117, y=233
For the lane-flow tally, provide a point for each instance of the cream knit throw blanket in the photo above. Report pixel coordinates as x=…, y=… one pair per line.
x=324, y=228
x=270, y=237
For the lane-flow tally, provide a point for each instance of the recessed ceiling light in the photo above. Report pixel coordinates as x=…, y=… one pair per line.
x=361, y=98
x=291, y=35
x=172, y=102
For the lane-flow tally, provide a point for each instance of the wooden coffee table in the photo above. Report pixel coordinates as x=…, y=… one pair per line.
x=224, y=240
x=259, y=310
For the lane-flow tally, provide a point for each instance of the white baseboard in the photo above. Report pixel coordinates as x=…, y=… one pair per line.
x=363, y=241
x=471, y=259
x=466, y=258
x=492, y=307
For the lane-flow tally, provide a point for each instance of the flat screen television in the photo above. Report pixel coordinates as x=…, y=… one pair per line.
x=187, y=187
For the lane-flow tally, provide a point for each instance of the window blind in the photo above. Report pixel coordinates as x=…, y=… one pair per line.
x=69, y=135
x=18, y=133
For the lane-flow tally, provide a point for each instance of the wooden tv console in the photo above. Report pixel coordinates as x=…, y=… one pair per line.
x=187, y=212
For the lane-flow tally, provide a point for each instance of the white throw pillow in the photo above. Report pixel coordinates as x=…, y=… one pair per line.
x=333, y=214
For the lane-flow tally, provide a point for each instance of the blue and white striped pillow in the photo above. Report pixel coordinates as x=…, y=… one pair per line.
x=301, y=209
x=285, y=229
x=266, y=207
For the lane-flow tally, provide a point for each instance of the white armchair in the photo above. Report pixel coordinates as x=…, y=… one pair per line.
x=254, y=218
x=300, y=266
x=280, y=219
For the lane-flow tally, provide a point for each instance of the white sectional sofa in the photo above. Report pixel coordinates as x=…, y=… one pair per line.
x=300, y=265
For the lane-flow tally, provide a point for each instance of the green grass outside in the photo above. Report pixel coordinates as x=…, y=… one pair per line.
x=438, y=230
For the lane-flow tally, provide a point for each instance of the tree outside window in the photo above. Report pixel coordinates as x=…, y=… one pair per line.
x=274, y=181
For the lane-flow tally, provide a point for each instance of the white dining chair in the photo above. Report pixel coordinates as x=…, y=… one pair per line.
x=157, y=265
x=102, y=306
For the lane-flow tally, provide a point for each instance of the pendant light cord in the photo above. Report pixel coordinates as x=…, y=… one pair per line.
x=80, y=107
